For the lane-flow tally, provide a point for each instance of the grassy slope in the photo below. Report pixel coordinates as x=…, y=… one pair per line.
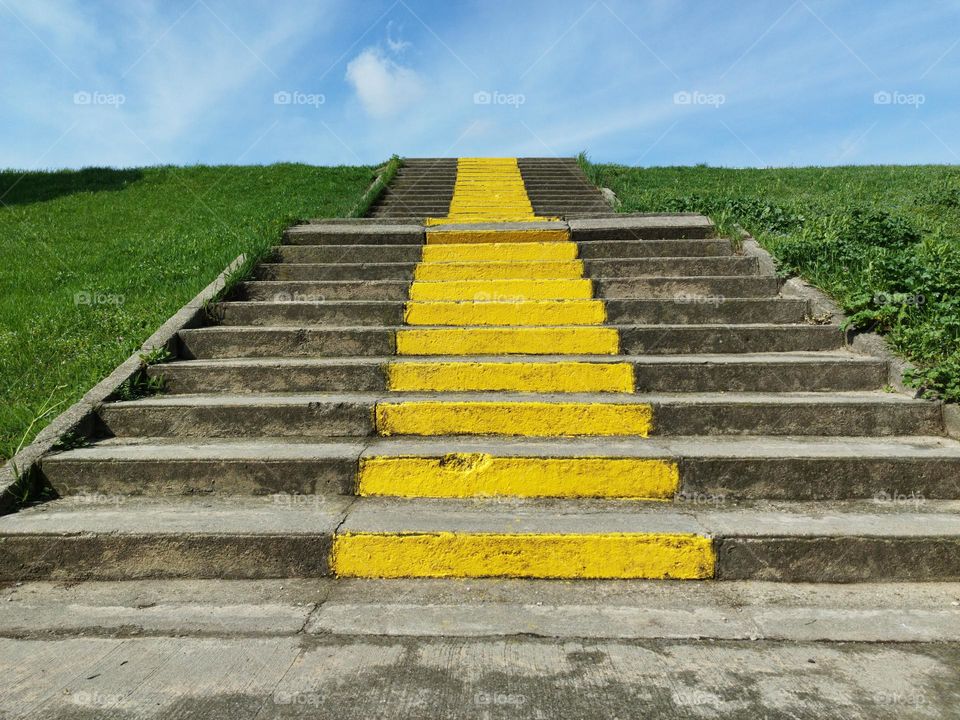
x=884, y=241
x=93, y=261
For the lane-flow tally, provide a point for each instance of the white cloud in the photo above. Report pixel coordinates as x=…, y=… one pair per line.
x=383, y=86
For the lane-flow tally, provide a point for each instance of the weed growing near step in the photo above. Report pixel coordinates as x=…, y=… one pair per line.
x=93, y=261
x=884, y=241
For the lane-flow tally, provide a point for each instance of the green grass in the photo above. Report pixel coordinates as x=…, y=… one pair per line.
x=93, y=261
x=883, y=240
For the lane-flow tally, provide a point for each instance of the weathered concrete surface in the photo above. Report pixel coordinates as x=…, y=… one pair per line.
x=352, y=414
x=870, y=612
x=713, y=469
x=429, y=678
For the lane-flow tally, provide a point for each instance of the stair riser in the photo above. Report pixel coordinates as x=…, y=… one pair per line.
x=178, y=555
x=341, y=235
x=282, y=313
x=694, y=290
x=715, y=289
x=670, y=267
x=726, y=339
x=696, y=377
x=196, y=344
x=609, y=269
x=705, y=483
x=318, y=342
x=653, y=248
x=586, y=250
x=355, y=419
x=167, y=555
x=691, y=232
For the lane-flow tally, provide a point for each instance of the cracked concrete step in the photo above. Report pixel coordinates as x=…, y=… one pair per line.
x=683, y=309
x=364, y=414
x=772, y=541
x=642, y=227
x=592, y=268
x=484, y=608
x=621, y=227
x=713, y=471
x=348, y=234
x=819, y=372
x=746, y=610
x=705, y=289
x=238, y=341
x=259, y=538
x=711, y=247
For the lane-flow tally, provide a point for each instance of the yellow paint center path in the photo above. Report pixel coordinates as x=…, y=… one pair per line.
x=488, y=190
x=483, y=304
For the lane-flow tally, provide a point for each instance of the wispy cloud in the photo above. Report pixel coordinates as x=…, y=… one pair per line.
x=384, y=87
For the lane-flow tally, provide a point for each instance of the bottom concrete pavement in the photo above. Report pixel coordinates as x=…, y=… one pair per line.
x=524, y=649
x=347, y=677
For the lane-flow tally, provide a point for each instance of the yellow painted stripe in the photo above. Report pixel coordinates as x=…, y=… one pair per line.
x=468, y=237
x=530, y=312
x=582, y=340
x=533, y=419
x=502, y=290
x=510, y=376
x=461, y=475
x=500, y=251
x=487, y=190
x=571, y=270
x=523, y=555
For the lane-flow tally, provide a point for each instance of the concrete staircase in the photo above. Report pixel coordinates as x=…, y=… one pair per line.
x=607, y=397
x=423, y=187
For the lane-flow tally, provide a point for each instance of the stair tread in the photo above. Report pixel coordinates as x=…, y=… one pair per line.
x=264, y=516
x=852, y=397
x=712, y=446
x=375, y=360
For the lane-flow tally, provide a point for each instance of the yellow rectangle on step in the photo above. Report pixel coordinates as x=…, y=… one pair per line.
x=523, y=555
x=462, y=475
x=530, y=312
x=500, y=251
x=521, y=270
x=516, y=418
x=582, y=340
x=502, y=290
x=510, y=376
x=497, y=236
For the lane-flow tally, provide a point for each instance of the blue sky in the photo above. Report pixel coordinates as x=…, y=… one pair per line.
x=811, y=82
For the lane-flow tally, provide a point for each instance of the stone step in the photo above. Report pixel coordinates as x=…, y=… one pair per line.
x=619, y=227
x=369, y=413
x=336, y=234
x=259, y=538
x=821, y=372
x=643, y=227
x=231, y=622
x=680, y=267
x=585, y=250
x=229, y=342
x=693, y=289
x=712, y=471
x=301, y=313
